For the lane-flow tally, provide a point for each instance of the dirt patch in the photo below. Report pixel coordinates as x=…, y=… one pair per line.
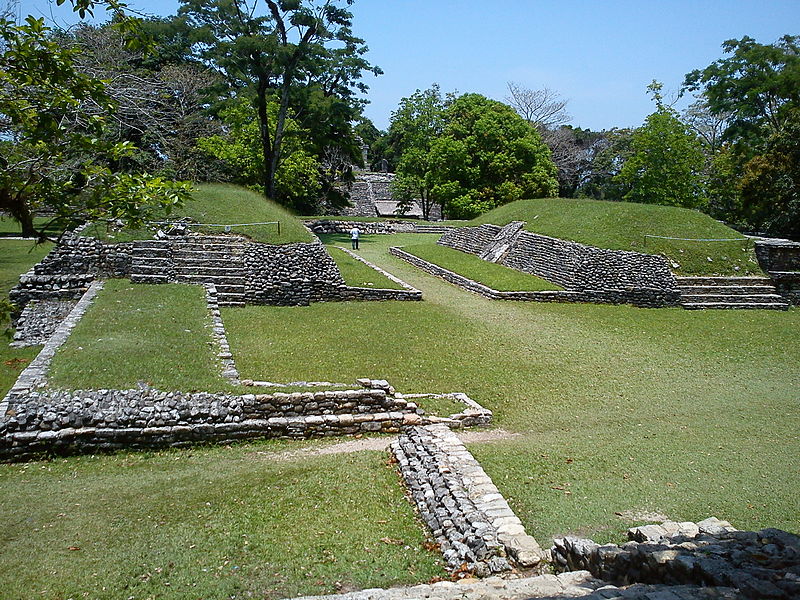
x=379, y=444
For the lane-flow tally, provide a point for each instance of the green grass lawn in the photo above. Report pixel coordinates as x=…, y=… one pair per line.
x=624, y=225
x=357, y=274
x=9, y=227
x=16, y=257
x=226, y=204
x=497, y=277
x=616, y=410
x=690, y=413
x=207, y=523
x=155, y=334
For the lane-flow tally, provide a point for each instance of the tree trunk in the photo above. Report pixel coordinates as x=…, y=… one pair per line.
x=280, y=123
x=267, y=148
x=19, y=210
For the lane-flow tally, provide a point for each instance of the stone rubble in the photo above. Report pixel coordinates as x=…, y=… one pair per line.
x=475, y=528
x=229, y=370
x=39, y=320
x=763, y=564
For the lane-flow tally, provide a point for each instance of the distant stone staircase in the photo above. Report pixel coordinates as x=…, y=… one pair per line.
x=438, y=229
x=194, y=259
x=497, y=250
x=729, y=293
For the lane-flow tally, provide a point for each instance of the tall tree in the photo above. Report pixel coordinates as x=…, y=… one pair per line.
x=276, y=50
x=758, y=85
x=544, y=108
x=756, y=89
x=666, y=164
x=415, y=126
x=487, y=156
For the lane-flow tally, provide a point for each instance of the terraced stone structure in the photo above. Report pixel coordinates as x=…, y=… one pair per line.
x=587, y=273
x=243, y=271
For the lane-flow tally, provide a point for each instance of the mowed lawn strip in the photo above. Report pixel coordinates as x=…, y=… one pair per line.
x=691, y=413
x=159, y=335
x=207, y=523
x=16, y=257
x=495, y=276
x=355, y=273
x=625, y=225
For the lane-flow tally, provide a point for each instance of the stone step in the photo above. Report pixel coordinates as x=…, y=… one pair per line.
x=732, y=305
x=151, y=258
x=221, y=277
x=162, y=252
x=147, y=278
x=726, y=289
x=215, y=279
x=732, y=298
x=723, y=281
x=224, y=272
x=150, y=269
x=224, y=254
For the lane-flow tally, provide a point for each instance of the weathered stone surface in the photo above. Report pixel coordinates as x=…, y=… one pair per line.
x=764, y=564
x=588, y=274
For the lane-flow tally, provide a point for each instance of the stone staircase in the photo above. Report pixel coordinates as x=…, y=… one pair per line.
x=437, y=229
x=194, y=259
x=497, y=250
x=729, y=293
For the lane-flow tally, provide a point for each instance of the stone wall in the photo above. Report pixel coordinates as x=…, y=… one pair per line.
x=763, y=564
x=69, y=268
x=600, y=275
x=252, y=273
x=780, y=259
x=46, y=421
x=365, y=227
x=644, y=297
x=470, y=520
x=293, y=274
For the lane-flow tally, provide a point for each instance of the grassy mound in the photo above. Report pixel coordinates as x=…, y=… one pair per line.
x=490, y=274
x=225, y=204
x=625, y=225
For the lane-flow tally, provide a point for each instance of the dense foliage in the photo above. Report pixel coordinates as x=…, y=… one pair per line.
x=56, y=151
x=467, y=154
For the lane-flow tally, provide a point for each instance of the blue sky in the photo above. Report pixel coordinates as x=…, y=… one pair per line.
x=600, y=55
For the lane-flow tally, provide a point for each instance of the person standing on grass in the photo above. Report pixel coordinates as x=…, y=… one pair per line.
x=354, y=235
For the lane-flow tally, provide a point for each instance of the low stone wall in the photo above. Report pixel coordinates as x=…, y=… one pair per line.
x=292, y=274
x=644, y=297
x=613, y=276
x=59, y=421
x=763, y=564
x=365, y=227
x=39, y=320
x=250, y=272
x=780, y=259
x=471, y=521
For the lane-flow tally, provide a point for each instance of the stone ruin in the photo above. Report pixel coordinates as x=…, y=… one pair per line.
x=371, y=196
